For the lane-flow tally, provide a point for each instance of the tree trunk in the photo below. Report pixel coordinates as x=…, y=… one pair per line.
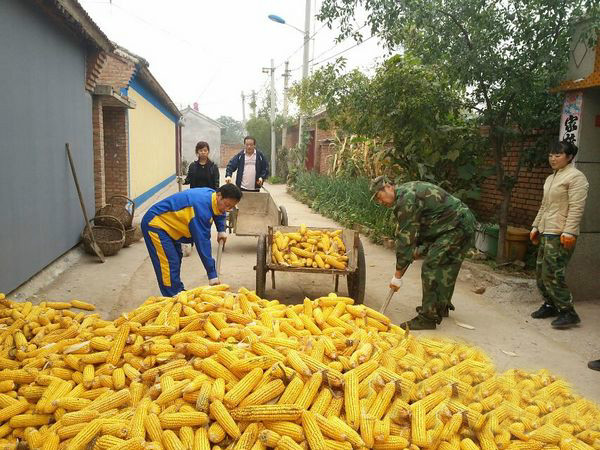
x=503, y=224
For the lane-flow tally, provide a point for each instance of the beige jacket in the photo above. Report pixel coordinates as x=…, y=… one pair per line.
x=562, y=206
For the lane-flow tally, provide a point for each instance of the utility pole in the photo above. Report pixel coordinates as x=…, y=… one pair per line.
x=253, y=104
x=305, y=59
x=286, y=76
x=244, y=111
x=273, y=138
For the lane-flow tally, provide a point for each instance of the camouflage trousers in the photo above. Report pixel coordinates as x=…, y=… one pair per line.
x=551, y=263
x=440, y=269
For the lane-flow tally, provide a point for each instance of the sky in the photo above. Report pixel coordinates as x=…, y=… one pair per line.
x=209, y=51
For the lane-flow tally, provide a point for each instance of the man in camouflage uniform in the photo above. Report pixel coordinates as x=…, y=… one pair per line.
x=432, y=219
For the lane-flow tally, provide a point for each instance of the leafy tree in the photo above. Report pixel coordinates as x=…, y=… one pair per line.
x=415, y=108
x=233, y=133
x=507, y=55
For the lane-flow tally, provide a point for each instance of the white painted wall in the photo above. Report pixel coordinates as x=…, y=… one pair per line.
x=199, y=129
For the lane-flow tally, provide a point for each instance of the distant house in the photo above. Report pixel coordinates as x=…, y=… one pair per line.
x=580, y=123
x=51, y=53
x=137, y=139
x=198, y=127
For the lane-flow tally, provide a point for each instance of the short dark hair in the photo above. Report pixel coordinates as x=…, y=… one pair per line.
x=250, y=137
x=564, y=146
x=200, y=145
x=230, y=190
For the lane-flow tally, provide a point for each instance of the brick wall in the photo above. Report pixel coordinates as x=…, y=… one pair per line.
x=526, y=195
x=116, y=158
x=324, y=150
x=227, y=152
x=117, y=72
x=95, y=63
x=98, y=144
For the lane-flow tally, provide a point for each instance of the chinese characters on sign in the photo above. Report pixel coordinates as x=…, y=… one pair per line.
x=570, y=124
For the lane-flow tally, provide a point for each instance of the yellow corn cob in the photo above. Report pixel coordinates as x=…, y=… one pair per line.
x=82, y=305
x=264, y=394
x=201, y=441
x=217, y=391
x=351, y=402
x=186, y=435
x=242, y=388
x=269, y=437
x=225, y=419
x=216, y=433
x=292, y=391
x=84, y=415
x=309, y=391
x=248, y=438
x=277, y=412
x=177, y=420
x=171, y=441
x=287, y=443
x=285, y=428
x=85, y=436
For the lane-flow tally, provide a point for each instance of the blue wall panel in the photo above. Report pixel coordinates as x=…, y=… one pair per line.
x=43, y=105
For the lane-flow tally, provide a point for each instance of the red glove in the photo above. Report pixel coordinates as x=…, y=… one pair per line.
x=568, y=241
x=534, y=236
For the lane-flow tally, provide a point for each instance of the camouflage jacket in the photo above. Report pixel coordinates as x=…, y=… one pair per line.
x=424, y=212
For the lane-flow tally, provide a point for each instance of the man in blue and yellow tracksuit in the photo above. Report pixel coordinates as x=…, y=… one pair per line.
x=186, y=217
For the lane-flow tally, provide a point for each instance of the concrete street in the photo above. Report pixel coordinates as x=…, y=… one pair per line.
x=500, y=316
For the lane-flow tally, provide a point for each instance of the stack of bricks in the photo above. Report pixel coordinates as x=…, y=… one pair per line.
x=526, y=195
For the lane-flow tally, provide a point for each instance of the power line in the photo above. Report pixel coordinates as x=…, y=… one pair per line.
x=343, y=51
x=301, y=47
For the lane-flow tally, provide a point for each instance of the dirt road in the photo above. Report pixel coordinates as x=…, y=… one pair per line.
x=500, y=316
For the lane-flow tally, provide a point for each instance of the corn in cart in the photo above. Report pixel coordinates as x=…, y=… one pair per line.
x=354, y=271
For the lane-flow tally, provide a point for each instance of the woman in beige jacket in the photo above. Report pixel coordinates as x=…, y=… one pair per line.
x=555, y=229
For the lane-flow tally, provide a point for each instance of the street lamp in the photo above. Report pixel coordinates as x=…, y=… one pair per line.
x=306, y=33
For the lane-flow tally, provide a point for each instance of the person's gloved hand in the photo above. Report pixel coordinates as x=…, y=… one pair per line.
x=221, y=237
x=568, y=240
x=534, y=236
x=227, y=180
x=180, y=180
x=214, y=281
x=395, y=283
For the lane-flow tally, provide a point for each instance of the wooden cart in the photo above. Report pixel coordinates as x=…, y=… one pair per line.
x=254, y=213
x=355, y=271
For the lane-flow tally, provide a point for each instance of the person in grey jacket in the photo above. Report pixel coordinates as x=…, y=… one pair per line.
x=555, y=230
x=251, y=166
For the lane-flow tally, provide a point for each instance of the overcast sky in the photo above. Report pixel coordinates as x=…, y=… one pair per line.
x=209, y=51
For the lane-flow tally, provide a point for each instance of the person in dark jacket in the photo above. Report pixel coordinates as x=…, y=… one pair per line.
x=251, y=166
x=202, y=172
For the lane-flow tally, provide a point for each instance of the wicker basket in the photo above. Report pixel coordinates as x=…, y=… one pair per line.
x=132, y=235
x=117, y=206
x=110, y=239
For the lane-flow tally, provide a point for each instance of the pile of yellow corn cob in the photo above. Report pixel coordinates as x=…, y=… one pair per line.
x=309, y=248
x=210, y=369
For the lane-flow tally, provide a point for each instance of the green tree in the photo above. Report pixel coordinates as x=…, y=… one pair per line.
x=507, y=55
x=233, y=133
x=413, y=107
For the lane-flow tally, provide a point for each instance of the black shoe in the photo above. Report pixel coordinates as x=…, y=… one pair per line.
x=594, y=365
x=419, y=323
x=545, y=311
x=566, y=319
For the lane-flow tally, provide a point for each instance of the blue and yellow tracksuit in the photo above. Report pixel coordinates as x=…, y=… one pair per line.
x=184, y=217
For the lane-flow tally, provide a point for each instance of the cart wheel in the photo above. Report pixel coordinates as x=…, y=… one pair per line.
x=357, y=280
x=283, y=217
x=261, y=265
